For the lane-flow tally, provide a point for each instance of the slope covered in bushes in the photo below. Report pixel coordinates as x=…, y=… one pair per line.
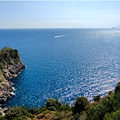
x=105, y=108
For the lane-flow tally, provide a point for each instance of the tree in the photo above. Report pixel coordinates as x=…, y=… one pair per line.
x=96, y=98
x=53, y=104
x=117, y=88
x=112, y=116
x=80, y=104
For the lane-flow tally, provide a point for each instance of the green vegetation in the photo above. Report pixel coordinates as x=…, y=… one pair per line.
x=96, y=98
x=53, y=104
x=1, y=78
x=117, y=88
x=17, y=112
x=113, y=115
x=106, y=108
x=7, y=56
x=80, y=104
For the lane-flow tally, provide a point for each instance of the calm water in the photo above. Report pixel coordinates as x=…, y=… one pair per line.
x=63, y=63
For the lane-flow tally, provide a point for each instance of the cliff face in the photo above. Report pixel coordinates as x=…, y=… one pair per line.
x=10, y=66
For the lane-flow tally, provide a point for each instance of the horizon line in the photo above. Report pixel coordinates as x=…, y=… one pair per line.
x=61, y=28
x=56, y=0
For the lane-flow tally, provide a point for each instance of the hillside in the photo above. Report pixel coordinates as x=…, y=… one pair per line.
x=105, y=108
x=10, y=66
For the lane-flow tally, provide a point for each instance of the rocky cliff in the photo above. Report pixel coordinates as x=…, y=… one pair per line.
x=10, y=66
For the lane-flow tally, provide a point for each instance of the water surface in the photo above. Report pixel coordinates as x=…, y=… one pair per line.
x=63, y=63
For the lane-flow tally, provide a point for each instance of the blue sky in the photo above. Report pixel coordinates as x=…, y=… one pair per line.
x=62, y=14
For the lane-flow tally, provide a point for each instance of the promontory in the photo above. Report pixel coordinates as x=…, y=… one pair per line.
x=10, y=67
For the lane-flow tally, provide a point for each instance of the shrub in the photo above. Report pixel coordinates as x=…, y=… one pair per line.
x=32, y=110
x=2, y=118
x=112, y=116
x=13, y=53
x=107, y=117
x=96, y=113
x=42, y=109
x=65, y=107
x=72, y=118
x=53, y=104
x=115, y=115
x=96, y=98
x=110, y=92
x=58, y=116
x=1, y=65
x=46, y=112
x=52, y=108
x=107, y=106
x=117, y=88
x=8, y=54
x=0, y=80
x=21, y=118
x=16, y=112
x=80, y=104
x=76, y=116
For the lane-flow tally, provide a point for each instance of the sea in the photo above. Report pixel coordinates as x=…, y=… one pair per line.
x=63, y=64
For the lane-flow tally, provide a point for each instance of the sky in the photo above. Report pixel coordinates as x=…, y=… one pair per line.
x=59, y=14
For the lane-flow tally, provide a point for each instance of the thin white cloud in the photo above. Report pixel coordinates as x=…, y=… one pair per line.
x=58, y=24
x=47, y=15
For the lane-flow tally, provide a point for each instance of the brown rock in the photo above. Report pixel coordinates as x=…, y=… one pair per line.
x=11, y=60
x=40, y=116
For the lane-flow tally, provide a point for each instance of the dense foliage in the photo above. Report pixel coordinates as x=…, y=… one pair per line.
x=96, y=98
x=8, y=55
x=109, y=105
x=80, y=104
x=53, y=104
x=106, y=108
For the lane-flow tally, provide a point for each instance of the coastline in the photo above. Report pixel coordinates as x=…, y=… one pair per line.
x=6, y=92
x=7, y=89
x=10, y=67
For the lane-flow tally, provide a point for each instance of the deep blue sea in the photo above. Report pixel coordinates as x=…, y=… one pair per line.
x=63, y=63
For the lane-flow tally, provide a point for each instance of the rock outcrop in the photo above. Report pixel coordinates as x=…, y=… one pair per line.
x=10, y=67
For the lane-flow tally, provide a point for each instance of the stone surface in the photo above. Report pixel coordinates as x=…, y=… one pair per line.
x=40, y=116
x=10, y=67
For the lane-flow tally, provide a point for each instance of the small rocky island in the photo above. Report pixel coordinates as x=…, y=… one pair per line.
x=10, y=67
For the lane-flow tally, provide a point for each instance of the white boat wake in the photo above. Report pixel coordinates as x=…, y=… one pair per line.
x=58, y=36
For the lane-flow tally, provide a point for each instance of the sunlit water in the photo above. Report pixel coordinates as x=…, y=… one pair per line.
x=63, y=63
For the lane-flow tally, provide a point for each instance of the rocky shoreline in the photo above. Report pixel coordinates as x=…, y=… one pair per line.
x=7, y=86
x=10, y=67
